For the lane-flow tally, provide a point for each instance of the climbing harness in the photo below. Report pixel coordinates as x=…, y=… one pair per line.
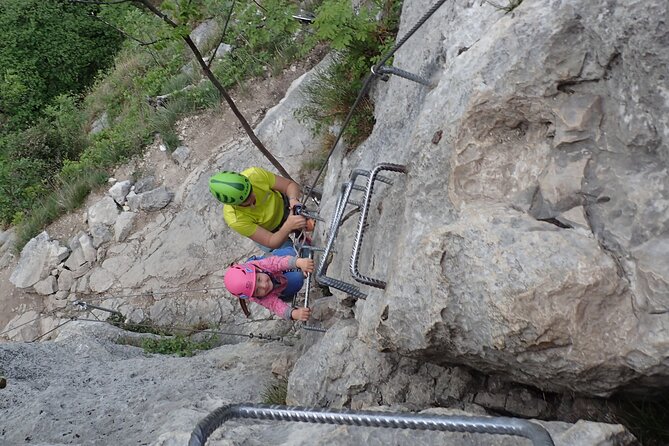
x=445, y=423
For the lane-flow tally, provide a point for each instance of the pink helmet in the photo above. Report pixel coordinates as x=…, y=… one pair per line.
x=240, y=280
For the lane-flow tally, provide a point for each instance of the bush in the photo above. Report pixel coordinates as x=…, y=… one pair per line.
x=275, y=393
x=49, y=47
x=176, y=345
x=360, y=41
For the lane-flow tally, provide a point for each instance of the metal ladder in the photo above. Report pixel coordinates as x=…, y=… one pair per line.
x=338, y=219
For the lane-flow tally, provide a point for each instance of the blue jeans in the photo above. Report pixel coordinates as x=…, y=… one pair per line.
x=295, y=278
x=287, y=244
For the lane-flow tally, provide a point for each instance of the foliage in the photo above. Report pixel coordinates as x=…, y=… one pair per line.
x=647, y=419
x=22, y=182
x=360, y=40
x=178, y=345
x=49, y=205
x=47, y=166
x=49, y=47
x=275, y=393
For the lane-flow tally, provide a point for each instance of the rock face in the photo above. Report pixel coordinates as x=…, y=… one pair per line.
x=546, y=115
x=38, y=256
x=152, y=396
x=131, y=397
x=528, y=239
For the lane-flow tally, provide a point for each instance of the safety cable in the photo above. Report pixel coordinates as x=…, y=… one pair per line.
x=19, y=326
x=153, y=293
x=365, y=88
x=53, y=329
x=49, y=314
x=411, y=32
x=195, y=330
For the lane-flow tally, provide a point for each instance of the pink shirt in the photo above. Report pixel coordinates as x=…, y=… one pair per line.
x=275, y=266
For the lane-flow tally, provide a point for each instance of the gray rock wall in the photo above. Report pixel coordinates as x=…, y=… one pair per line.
x=529, y=236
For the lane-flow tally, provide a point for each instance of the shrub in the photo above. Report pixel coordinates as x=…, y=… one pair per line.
x=360, y=40
x=275, y=393
x=49, y=47
x=176, y=345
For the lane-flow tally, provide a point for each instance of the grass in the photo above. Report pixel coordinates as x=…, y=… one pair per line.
x=329, y=98
x=647, y=419
x=169, y=344
x=66, y=198
x=179, y=345
x=275, y=392
x=137, y=75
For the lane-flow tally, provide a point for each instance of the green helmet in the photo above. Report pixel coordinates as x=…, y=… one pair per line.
x=230, y=187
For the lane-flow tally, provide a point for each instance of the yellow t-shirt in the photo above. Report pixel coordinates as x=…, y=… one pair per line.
x=268, y=210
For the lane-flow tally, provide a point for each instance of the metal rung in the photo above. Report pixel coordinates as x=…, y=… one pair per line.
x=384, y=71
x=534, y=432
x=335, y=223
x=362, y=222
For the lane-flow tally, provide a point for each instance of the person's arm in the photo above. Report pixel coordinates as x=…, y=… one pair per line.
x=282, y=309
x=300, y=314
x=289, y=188
x=275, y=239
x=277, y=264
x=274, y=304
x=305, y=264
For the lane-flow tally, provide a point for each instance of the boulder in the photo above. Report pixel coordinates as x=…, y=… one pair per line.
x=38, y=257
x=104, y=212
x=152, y=200
x=119, y=191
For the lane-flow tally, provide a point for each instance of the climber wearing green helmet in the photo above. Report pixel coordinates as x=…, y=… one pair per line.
x=258, y=205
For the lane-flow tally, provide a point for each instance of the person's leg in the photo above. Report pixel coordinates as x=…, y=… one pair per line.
x=295, y=281
x=287, y=246
x=284, y=251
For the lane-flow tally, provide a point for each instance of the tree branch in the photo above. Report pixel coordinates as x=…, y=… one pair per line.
x=221, y=90
x=207, y=71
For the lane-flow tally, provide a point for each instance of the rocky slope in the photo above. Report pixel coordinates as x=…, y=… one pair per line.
x=524, y=249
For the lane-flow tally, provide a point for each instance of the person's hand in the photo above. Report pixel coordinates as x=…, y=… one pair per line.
x=294, y=222
x=305, y=264
x=301, y=314
x=294, y=202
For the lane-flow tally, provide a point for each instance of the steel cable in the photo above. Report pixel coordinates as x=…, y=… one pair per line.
x=365, y=88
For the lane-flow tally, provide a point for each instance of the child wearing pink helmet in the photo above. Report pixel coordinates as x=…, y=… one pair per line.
x=271, y=282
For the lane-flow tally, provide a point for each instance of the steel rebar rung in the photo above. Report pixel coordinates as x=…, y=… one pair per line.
x=401, y=73
x=362, y=222
x=445, y=423
x=333, y=230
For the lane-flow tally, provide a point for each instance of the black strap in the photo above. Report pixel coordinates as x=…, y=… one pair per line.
x=286, y=211
x=245, y=308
